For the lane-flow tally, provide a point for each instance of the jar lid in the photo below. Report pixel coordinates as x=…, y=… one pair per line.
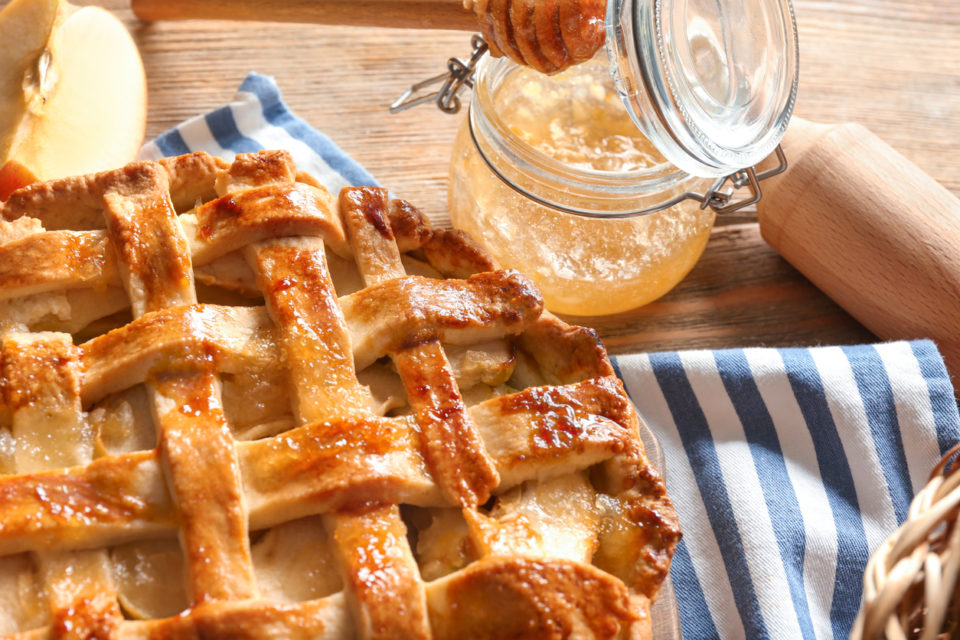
x=711, y=83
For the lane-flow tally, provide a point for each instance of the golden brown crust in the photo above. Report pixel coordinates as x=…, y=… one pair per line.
x=639, y=551
x=365, y=215
x=454, y=254
x=293, y=276
x=449, y=441
x=87, y=618
x=80, y=260
x=192, y=178
x=245, y=620
x=527, y=598
x=575, y=541
x=565, y=353
x=484, y=306
x=142, y=224
x=69, y=203
x=410, y=227
x=110, y=499
x=38, y=372
x=386, y=594
x=209, y=498
x=579, y=424
x=237, y=220
x=249, y=170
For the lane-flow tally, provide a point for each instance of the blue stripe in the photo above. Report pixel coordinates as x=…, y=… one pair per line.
x=224, y=129
x=873, y=383
x=778, y=492
x=702, y=453
x=171, y=143
x=942, y=400
x=275, y=112
x=695, y=618
x=852, y=549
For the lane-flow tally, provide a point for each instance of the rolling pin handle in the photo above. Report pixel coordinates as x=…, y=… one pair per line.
x=409, y=14
x=871, y=230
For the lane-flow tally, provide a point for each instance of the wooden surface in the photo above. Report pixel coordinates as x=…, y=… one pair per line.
x=892, y=65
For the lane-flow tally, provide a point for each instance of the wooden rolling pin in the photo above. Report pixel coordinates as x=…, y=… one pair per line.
x=871, y=230
x=409, y=14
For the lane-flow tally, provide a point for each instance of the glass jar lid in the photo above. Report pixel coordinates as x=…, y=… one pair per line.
x=711, y=83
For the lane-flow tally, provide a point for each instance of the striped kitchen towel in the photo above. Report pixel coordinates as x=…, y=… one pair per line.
x=787, y=466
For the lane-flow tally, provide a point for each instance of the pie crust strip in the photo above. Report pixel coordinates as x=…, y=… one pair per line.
x=42, y=375
x=450, y=443
x=377, y=566
x=196, y=445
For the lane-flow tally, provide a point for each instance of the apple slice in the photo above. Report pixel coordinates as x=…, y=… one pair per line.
x=73, y=94
x=14, y=175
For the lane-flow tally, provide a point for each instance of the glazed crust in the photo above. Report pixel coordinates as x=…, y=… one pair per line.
x=511, y=441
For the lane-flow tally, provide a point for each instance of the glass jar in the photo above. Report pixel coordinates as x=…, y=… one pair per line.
x=579, y=179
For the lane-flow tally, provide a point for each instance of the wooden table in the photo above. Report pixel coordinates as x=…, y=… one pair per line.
x=893, y=65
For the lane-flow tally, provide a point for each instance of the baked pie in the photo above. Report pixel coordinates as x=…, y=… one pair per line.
x=234, y=406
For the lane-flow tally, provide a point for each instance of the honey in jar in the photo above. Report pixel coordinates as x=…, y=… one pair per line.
x=542, y=169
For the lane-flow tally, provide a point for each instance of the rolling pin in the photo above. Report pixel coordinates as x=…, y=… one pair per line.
x=871, y=230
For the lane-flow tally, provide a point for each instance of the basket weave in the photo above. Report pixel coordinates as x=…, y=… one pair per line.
x=910, y=584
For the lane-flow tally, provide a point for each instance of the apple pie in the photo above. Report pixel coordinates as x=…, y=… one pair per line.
x=235, y=406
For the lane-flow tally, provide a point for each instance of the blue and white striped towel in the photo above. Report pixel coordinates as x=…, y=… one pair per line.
x=787, y=466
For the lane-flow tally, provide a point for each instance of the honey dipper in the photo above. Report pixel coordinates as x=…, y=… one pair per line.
x=548, y=35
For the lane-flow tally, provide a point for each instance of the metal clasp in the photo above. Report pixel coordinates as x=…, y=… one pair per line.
x=718, y=198
x=459, y=74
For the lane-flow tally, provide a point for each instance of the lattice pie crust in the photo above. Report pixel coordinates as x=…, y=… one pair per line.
x=235, y=406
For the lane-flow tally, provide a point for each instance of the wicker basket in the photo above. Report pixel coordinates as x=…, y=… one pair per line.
x=910, y=584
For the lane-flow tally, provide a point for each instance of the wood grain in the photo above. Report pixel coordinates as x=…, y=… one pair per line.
x=891, y=65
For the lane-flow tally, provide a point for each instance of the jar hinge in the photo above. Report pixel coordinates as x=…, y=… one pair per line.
x=459, y=75
x=718, y=198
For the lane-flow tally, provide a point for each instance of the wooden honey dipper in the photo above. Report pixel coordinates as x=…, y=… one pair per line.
x=548, y=35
